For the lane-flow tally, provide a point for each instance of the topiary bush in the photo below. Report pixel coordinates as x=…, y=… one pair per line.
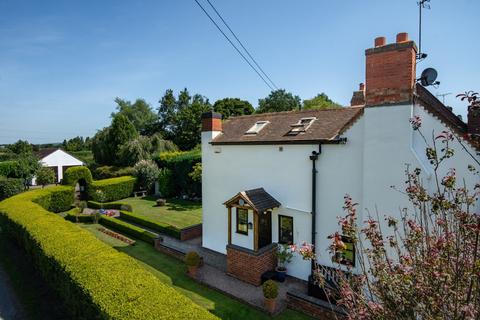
x=73, y=174
x=45, y=176
x=192, y=259
x=10, y=187
x=107, y=172
x=113, y=189
x=157, y=226
x=270, y=289
x=94, y=280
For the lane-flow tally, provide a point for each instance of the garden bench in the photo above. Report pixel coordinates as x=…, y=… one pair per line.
x=141, y=193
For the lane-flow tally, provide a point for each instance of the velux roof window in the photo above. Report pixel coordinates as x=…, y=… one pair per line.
x=302, y=125
x=257, y=127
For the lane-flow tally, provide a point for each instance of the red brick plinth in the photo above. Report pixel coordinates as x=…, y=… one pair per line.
x=248, y=265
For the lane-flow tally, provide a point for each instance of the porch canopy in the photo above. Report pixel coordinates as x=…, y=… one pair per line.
x=258, y=200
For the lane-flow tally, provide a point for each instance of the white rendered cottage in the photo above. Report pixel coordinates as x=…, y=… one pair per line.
x=260, y=186
x=58, y=160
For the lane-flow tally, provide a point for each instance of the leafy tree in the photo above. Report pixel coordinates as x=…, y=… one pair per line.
x=139, y=113
x=76, y=144
x=101, y=148
x=196, y=173
x=27, y=167
x=279, y=100
x=21, y=147
x=180, y=118
x=146, y=172
x=144, y=148
x=232, y=107
x=320, y=101
x=45, y=176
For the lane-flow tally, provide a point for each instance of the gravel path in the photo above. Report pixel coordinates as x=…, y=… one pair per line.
x=10, y=308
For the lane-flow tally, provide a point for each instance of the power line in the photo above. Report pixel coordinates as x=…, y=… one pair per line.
x=240, y=42
x=233, y=45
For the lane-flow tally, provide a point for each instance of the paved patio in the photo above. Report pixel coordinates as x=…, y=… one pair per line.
x=214, y=274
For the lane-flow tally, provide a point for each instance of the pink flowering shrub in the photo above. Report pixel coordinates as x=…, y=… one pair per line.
x=423, y=264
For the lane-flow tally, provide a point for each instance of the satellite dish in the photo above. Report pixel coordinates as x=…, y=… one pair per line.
x=428, y=77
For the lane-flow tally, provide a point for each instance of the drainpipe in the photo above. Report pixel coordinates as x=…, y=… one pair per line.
x=314, y=158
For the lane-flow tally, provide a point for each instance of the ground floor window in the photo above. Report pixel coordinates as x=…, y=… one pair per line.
x=347, y=255
x=285, y=229
x=242, y=221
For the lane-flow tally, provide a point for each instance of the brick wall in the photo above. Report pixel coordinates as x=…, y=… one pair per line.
x=317, y=309
x=390, y=72
x=211, y=121
x=248, y=265
x=191, y=232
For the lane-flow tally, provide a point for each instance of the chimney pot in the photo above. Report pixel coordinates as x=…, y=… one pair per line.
x=361, y=87
x=402, y=37
x=380, y=41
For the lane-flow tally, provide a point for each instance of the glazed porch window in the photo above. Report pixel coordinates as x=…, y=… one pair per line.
x=285, y=230
x=242, y=221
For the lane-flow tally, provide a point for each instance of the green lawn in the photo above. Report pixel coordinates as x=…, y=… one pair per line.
x=173, y=272
x=177, y=213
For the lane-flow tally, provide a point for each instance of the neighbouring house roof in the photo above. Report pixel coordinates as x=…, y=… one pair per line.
x=259, y=199
x=42, y=153
x=327, y=127
x=426, y=99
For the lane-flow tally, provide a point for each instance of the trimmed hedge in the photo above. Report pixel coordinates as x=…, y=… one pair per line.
x=73, y=174
x=107, y=172
x=160, y=227
x=94, y=280
x=71, y=215
x=110, y=205
x=128, y=229
x=181, y=164
x=57, y=200
x=111, y=189
x=10, y=187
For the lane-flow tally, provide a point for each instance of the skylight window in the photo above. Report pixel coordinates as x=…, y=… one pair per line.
x=302, y=125
x=257, y=127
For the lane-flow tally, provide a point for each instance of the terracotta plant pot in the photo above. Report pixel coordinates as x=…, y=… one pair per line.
x=270, y=304
x=192, y=270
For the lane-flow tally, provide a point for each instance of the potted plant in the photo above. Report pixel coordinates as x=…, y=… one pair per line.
x=192, y=260
x=270, y=293
x=284, y=256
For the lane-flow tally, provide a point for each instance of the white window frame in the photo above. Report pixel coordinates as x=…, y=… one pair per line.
x=257, y=127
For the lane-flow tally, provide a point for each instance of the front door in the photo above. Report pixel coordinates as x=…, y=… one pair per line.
x=265, y=229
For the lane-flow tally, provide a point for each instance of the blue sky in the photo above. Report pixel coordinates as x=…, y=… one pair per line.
x=62, y=63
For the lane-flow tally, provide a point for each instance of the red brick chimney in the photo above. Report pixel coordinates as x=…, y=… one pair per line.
x=358, y=98
x=211, y=121
x=390, y=71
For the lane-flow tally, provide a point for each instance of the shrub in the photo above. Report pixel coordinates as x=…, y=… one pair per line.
x=111, y=189
x=10, y=187
x=270, y=289
x=107, y=172
x=192, y=259
x=146, y=172
x=85, y=272
x=110, y=205
x=165, y=182
x=128, y=229
x=8, y=168
x=45, y=176
x=157, y=226
x=73, y=174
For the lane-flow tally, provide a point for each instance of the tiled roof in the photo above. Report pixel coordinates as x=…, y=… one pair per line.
x=42, y=153
x=329, y=124
x=258, y=199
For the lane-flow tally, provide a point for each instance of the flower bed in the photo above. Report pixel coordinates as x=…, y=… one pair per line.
x=115, y=235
